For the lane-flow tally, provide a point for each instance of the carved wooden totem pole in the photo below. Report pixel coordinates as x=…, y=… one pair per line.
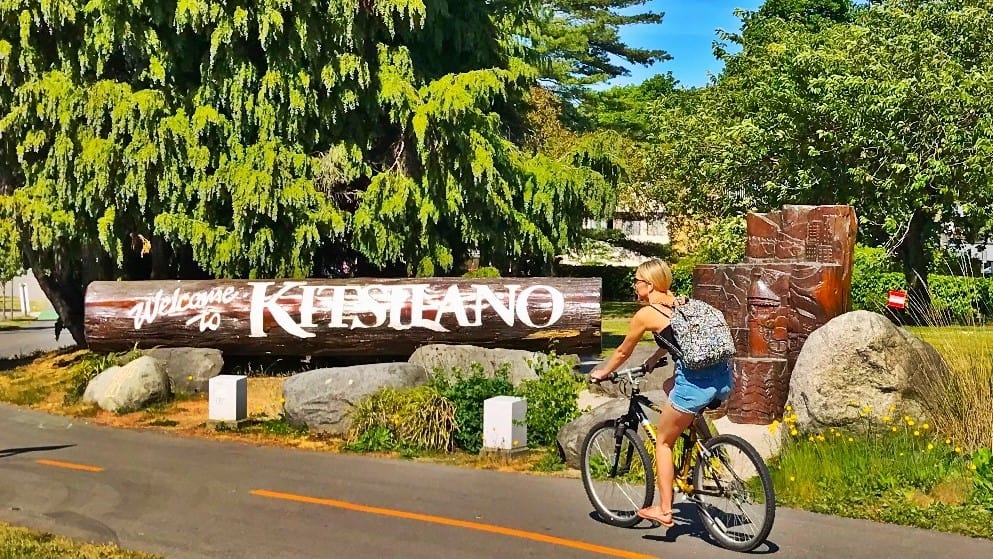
x=796, y=276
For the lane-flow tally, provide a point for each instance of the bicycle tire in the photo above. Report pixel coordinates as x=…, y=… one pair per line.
x=624, y=518
x=762, y=471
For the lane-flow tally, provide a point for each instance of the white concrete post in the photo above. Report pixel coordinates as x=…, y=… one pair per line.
x=25, y=303
x=504, y=427
x=228, y=399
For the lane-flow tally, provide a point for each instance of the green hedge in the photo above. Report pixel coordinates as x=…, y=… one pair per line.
x=960, y=299
x=618, y=280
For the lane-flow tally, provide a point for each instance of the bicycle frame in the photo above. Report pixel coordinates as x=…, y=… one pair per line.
x=692, y=439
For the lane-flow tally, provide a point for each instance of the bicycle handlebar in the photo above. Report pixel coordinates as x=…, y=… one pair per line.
x=631, y=373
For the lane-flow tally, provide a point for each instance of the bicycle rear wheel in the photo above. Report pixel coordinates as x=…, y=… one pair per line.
x=734, y=493
x=618, y=473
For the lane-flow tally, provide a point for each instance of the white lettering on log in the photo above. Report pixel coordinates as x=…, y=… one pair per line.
x=299, y=308
x=204, y=305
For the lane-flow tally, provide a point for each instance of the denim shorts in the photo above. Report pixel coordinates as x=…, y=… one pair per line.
x=693, y=390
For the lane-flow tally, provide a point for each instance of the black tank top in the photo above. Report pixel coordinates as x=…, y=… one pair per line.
x=665, y=338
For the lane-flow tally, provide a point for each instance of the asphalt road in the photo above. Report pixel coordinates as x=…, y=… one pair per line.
x=38, y=336
x=194, y=498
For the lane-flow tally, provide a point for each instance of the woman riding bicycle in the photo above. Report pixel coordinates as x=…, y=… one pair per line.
x=688, y=394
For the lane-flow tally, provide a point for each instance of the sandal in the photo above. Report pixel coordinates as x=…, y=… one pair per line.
x=647, y=515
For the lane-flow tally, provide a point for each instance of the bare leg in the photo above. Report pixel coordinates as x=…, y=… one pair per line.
x=671, y=425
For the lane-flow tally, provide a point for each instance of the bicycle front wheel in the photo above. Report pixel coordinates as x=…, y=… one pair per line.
x=734, y=493
x=617, y=473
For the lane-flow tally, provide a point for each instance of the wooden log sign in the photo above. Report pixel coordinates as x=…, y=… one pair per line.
x=337, y=317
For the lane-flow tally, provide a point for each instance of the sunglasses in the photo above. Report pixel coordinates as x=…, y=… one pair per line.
x=637, y=281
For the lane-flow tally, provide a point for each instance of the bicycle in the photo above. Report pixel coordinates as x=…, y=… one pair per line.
x=614, y=453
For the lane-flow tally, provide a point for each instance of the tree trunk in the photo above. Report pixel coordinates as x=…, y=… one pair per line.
x=64, y=288
x=332, y=317
x=916, y=263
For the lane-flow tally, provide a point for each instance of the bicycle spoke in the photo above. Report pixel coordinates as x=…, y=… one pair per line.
x=733, y=493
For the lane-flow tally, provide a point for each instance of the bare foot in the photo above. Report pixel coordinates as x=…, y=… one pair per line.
x=658, y=515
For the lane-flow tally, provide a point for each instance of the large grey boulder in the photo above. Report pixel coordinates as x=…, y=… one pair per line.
x=130, y=387
x=190, y=368
x=322, y=399
x=521, y=364
x=571, y=436
x=861, y=362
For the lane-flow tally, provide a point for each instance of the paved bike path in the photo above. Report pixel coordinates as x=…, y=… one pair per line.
x=195, y=498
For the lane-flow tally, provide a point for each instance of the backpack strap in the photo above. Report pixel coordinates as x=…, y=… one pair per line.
x=669, y=316
x=674, y=351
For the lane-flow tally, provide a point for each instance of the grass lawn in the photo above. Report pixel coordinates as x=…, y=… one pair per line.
x=20, y=543
x=615, y=317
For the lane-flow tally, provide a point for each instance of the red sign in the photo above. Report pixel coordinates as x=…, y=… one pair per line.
x=897, y=299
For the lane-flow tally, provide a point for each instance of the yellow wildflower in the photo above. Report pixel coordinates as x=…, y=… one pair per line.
x=948, y=441
x=837, y=434
x=930, y=446
x=893, y=429
x=792, y=478
x=958, y=450
x=925, y=426
x=851, y=440
x=917, y=433
x=789, y=407
x=820, y=438
x=972, y=467
x=886, y=419
x=910, y=422
x=794, y=432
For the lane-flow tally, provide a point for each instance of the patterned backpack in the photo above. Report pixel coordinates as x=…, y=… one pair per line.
x=702, y=333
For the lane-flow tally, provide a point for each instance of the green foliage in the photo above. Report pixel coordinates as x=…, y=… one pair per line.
x=883, y=108
x=11, y=263
x=467, y=390
x=403, y=418
x=626, y=109
x=483, y=272
x=241, y=138
x=982, y=464
x=551, y=399
x=578, y=41
x=720, y=242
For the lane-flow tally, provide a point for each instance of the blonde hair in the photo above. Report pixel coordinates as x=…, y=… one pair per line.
x=657, y=273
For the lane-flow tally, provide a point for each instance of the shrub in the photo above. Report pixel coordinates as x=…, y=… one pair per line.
x=467, y=391
x=403, y=419
x=551, y=399
x=721, y=242
x=484, y=272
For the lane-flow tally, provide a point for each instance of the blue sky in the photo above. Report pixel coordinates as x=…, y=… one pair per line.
x=686, y=33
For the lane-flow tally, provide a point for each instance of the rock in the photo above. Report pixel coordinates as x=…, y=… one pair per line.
x=447, y=357
x=651, y=381
x=322, y=399
x=572, y=434
x=129, y=387
x=864, y=358
x=189, y=368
